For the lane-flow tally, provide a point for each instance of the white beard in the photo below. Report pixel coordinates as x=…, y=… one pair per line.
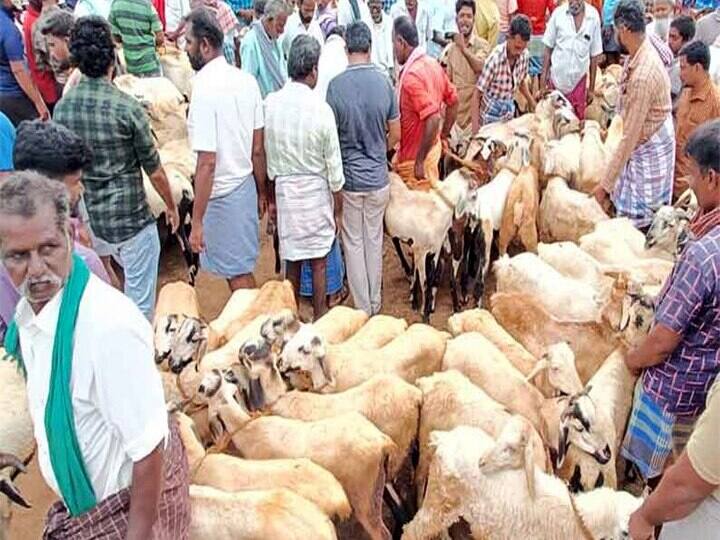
x=661, y=27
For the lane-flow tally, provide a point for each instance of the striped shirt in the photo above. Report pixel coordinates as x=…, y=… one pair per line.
x=135, y=22
x=498, y=81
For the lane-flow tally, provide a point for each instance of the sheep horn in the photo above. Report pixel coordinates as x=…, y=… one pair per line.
x=12, y=493
x=9, y=460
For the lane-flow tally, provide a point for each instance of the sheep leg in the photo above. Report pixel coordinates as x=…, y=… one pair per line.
x=401, y=255
x=429, y=267
x=367, y=501
x=456, y=253
x=469, y=258
x=487, y=236
x=415, y=291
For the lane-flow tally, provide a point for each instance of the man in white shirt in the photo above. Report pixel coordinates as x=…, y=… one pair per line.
x=333, y=60
x=662, y=17
x=302, y=21
x=419, y=13
x=105, y=445
x=225, y=124
x=381, y=52
x=573, y=45
x=350, y=11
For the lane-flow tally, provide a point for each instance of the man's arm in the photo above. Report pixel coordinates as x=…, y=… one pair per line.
x=204, y=175
x=475, y=110
x=393, y=127
x=147, y=486
x=654, y=349
x=160, y=182
x=680, y=492
x=547, y=59
x=430, y=133
x=22, y=76
x=450, y=117
x=594, y=61
x=260, y=169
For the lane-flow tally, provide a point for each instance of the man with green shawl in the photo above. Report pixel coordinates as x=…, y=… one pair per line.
x=104, y=442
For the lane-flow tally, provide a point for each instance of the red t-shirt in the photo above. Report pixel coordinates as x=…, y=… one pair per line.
x=425, y=90
x=536, y=11
x=44, y=80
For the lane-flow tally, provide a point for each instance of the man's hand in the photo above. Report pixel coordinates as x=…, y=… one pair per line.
x=602, y=197
x=337, y=214
x=272, y=211
x=419, y=170
x=197, y=240
x=640, y=529
x=590, y=97
x=262, y=205
x=172, y=218
x=459, y=41
x=42, y=110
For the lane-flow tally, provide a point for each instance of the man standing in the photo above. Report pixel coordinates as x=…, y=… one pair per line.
x=463, y=61
x=504, y=73
x=699, y=102
x=638, y=176
x=40, y=71
x=682, y=31
x=333, y=60
x=349, y=11
x=363, y=118
x=135, y=24
x=507, y=9
x=573, y=45
x=301, y=22
x=424, y=90
x=381, y=51
x=304, y=169
x=662, y=15
x=419, y=13
x=326, y=16
x=679, y=357
x=225, y=123
x=57, y=18
x=536, y=11
x=119, y=135
x=105, y=445
x=260, y=51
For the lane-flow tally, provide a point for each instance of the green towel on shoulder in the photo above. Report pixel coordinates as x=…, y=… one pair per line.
x=65, y=456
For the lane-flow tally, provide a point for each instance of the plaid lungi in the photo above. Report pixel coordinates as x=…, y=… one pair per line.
x=647, y=179
x=109, y=519
x=653, y=434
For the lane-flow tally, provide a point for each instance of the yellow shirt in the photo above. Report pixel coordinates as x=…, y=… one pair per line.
x=703, y=448
x=487, y=21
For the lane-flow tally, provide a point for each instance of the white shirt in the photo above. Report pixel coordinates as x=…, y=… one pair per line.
x=175, y=11
x=92, y=7
x=294, y=27
x=572, y=49
x=117, y=396
x=345, y=13
x=225, y=109
x=333, y=61
x=301, y=135
x=422, y=19
x=381, y=51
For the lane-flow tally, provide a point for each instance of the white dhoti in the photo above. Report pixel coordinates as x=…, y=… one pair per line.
x=306, y=225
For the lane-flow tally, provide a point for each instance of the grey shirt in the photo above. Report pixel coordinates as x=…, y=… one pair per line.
x=707, y=28
x=363, y=101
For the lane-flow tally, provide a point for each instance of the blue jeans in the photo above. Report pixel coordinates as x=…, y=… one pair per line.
x=139, y=257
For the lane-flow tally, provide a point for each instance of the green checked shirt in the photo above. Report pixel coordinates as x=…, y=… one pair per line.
x=116, y=127
x=135, y=23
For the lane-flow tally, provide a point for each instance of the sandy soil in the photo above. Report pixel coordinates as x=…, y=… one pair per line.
x=213, y=293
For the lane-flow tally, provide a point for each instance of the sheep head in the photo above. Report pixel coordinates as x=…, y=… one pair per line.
x=669, y=230
x=7, y=488
x=303, y=361
x=630, y=310
x=518, y=153
x=164, y=327
x=278, y=329
x=261, y=366
x=224, y=390
x=580, y=426
x=484, y=153
x=559, y=361
x=565, y=121
x=188, y=344
x=513, y=450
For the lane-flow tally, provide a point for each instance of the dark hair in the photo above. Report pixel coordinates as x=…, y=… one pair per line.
x=358, y=37
x=59, y=23
x=91, y=46
x=404, y=27
x=337, y=30
x=685, y=25
x=259, y=8
x=203, y=25
x=464, y=3
x=49, y=148
x=704, y=146
x=630, y=14
x=22, y=193
x=520, y=26
x=304, y=56
x=696, y=52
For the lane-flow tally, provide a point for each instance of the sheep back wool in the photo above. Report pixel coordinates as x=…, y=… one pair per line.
x=65, y=455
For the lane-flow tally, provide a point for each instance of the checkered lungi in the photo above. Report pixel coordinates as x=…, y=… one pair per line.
x=109, y=519
x=646, y=182
x=653, y=434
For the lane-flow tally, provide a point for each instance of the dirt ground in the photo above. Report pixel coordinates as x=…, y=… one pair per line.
x=213, y=293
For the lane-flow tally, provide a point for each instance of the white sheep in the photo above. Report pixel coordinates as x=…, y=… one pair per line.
x=340, y=324
x=592, y=158
x=496, y=488
x=255, y=515
x=519, y=221
x=571, y=261
x=566, y=214
x=377, y=332
x=614, y=135
x=562, y=157
x=238, y=302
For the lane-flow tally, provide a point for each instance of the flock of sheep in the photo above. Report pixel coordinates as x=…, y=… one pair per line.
x=510, y=421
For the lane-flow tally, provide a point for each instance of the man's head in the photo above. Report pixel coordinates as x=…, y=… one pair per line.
x=411, y=5
x=259, y=8
x=405, y=38
x=275, y=16
x=35, y=243
x=694, y=63
x=376, y=11
x=358, y=40
x=203, y=38
x=303, y=60
x=54, y=151
x=306, y=10
x=629, y=22
x=682, y=31
x=663, y=9
x=518, y=35
x=91, y=47
x=703, y=149
x=465, y=16
x=57, y=34
x=575, y=7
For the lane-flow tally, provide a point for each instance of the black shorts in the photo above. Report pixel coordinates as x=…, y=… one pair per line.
x=18, y=108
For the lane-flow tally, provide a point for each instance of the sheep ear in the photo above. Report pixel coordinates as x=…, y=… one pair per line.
x=540, y=365
x=562, y=447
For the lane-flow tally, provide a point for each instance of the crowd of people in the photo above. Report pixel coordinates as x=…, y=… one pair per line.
x=296, y=111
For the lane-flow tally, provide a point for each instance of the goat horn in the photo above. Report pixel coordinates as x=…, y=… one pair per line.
x=9, y=489
x=9, y=460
